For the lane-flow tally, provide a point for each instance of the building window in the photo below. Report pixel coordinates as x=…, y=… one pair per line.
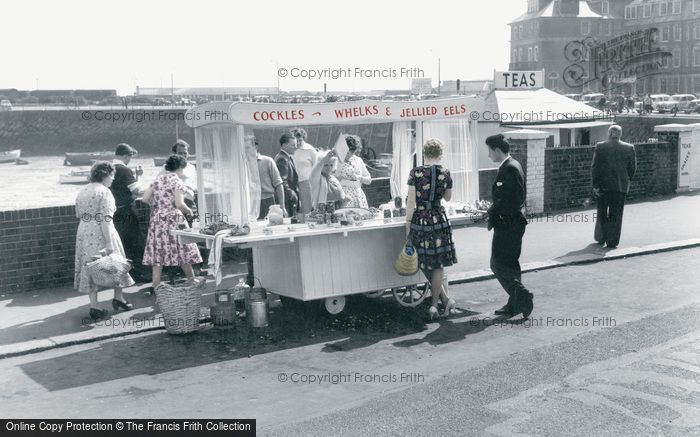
x=696, y=5
x=529, y=54
x=665, y=34
x=686, y=56
x=663, y=9
x=677, y=32
x=585, y=27
x=696, y=31
x=520, y=54
x=537, y=50
x=646, y=12
x=553, y=81
x=520, y=31
x=609, y=29
x=676, y=9
x=605, y=7
x=676, y=57
x=532, y=5
x=696, y=56
x=515, y=56
x=627, y=13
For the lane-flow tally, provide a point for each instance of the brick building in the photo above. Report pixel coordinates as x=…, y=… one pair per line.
x=596, y=45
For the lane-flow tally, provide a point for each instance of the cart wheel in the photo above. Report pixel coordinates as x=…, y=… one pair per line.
x=65, y=162
x=413, y=295
x=375, y=294
x=334, y=305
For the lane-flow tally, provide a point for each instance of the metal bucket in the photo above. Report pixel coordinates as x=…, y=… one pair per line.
x=256, y=307
x=223, y=312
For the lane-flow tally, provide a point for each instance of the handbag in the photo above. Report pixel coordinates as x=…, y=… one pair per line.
x=407, y=262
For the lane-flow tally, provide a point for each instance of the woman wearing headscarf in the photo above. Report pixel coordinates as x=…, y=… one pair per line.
x=352, y=172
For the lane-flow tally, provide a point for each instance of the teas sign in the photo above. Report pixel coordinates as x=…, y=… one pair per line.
x=518, y=80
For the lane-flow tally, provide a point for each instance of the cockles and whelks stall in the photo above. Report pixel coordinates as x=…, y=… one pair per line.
x=328, y=262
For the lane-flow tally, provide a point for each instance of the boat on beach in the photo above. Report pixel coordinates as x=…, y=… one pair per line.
x=159, y=161
x=76, y=177
x=10, y=155
x=86, y=158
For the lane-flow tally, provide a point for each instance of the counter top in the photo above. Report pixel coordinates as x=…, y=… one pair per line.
x=301, y=230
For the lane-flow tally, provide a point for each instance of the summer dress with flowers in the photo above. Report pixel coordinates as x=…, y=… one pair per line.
x=431, y=233
x=162, y=248
x=94, y=206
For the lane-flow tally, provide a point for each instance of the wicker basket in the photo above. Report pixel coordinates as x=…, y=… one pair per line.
x=180, y=305
x=108, y=271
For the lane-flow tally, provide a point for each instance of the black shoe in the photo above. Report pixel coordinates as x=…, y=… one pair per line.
x=527, y=306
x=119, y=305
x=611, y=246
x=505, y=310
x=97, y=314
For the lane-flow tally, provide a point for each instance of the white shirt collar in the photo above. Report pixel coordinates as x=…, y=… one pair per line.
x=118, y=161
x=501, y=164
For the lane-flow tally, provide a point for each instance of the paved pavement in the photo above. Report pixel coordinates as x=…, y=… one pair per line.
x=612, y=348
x=50, y=318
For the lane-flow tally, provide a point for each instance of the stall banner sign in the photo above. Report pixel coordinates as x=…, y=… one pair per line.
x=362, y=111
x=518, y=80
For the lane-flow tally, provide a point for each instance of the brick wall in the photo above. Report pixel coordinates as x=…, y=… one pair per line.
x=568, y=174
x=640, y=129
x=37, y=248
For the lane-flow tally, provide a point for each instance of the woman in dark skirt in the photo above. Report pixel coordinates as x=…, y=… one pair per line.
x=428, y=227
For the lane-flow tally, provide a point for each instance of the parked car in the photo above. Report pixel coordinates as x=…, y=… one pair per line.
x=5, y=105
x=658, y=98
x=592, y=99
x=677, y=101
x=693, y=106
x=159, y=101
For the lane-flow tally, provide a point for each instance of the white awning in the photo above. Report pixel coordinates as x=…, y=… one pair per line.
x=542, y=106
x=575, y=125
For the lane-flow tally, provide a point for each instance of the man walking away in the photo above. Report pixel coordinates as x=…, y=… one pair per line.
x=614, y=164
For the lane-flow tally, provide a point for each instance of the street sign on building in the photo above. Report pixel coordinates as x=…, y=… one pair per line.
x=518, y=80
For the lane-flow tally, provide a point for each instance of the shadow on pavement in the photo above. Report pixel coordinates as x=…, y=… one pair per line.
x=75, y=320
x=363, y=323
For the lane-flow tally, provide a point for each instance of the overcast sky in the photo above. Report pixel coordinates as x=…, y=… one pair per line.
x=118, y=45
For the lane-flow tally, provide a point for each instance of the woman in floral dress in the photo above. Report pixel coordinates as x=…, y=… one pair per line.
x=352, y=174
x=427, y=225
x=168, y=210
x=95, y=207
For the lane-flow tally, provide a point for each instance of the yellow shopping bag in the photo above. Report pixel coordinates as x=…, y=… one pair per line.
x=407, y=262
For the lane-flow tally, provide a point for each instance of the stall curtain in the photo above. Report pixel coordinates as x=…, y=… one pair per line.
x=401, y=159
x=460, y=155
x=227, y=178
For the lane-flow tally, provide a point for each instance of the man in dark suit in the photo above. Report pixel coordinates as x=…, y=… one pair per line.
x=508, y=222
x=614, y=164
x=288, y=172
x=126, y=221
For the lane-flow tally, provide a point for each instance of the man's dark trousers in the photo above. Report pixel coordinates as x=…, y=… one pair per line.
x=611, y=205
x=127, y=224
x=505, y=253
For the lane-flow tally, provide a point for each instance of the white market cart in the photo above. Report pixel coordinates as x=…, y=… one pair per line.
x=324, y=263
